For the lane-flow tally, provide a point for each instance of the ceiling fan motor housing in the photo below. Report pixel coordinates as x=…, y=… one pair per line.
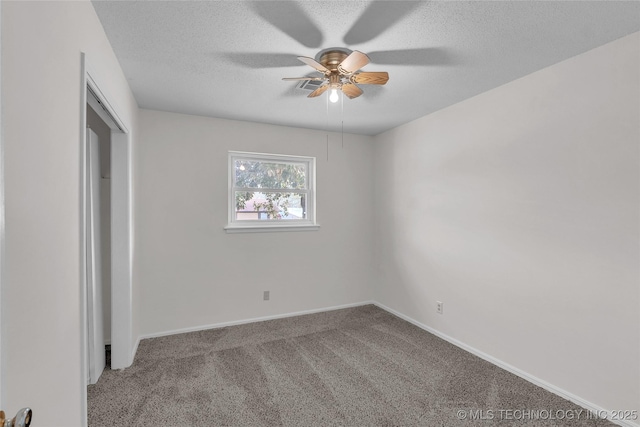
x=332, y=58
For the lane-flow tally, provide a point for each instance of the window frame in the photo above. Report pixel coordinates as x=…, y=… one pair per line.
x=268, y=225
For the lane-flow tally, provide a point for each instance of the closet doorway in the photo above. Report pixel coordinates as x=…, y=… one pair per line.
x=105, y=230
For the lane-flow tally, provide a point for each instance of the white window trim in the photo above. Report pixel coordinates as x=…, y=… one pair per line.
x=262, y=226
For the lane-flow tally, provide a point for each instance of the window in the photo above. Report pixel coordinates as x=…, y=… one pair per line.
x=269, y=192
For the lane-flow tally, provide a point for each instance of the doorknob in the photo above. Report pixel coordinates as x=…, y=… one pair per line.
x=22, y=419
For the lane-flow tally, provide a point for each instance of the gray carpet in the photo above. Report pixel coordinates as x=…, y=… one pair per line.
x=354, y=367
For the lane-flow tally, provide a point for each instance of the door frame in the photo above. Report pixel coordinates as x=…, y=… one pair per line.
x=122, y=346
x=2, y=261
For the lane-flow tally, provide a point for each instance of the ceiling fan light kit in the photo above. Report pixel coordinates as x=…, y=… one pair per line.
x=339, y=67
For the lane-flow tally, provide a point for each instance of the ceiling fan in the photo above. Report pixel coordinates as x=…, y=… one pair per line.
x=339, y=67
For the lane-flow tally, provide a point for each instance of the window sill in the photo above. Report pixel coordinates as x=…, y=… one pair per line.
x=270, y=228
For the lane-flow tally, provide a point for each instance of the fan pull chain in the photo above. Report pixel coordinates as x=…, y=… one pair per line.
x=327, y=147
x=327, y=104
x=342, y=119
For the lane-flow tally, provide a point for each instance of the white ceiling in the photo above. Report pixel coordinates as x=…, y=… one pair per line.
x=226, y=58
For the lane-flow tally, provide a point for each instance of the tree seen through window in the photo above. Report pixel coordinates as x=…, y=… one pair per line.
x=269, y=190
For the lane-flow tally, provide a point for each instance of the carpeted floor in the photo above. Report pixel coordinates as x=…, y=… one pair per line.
x=354, y=367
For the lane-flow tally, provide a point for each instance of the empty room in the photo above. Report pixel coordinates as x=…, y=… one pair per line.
x=319, y=213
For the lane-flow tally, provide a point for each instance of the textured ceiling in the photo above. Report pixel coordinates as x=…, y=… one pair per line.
x=226, y=58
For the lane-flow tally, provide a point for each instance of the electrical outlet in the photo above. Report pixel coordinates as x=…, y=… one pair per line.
x=266, y=295
x=439, y=307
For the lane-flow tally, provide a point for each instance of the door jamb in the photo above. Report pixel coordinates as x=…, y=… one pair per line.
x=2, y=260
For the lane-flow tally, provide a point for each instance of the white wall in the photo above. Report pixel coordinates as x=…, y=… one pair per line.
x=41, y=93
x=194, y=274
x=519, y=210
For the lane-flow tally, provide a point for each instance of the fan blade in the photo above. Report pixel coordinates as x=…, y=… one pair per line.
x=371, y=77
x=313, y=63
x=315, y=79
x=351, y=90
x=353, y=62
x=318, y=92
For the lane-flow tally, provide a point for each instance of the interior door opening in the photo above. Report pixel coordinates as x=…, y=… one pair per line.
x=118, y=303
x=98, y=237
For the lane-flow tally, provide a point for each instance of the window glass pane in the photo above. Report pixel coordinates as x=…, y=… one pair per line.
x=255, y=174
x=270, y=206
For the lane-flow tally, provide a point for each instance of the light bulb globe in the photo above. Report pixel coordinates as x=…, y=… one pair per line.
x=333, y=97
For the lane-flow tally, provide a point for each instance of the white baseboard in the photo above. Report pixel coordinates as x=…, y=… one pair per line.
x=251, y=320
x=507, y=367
